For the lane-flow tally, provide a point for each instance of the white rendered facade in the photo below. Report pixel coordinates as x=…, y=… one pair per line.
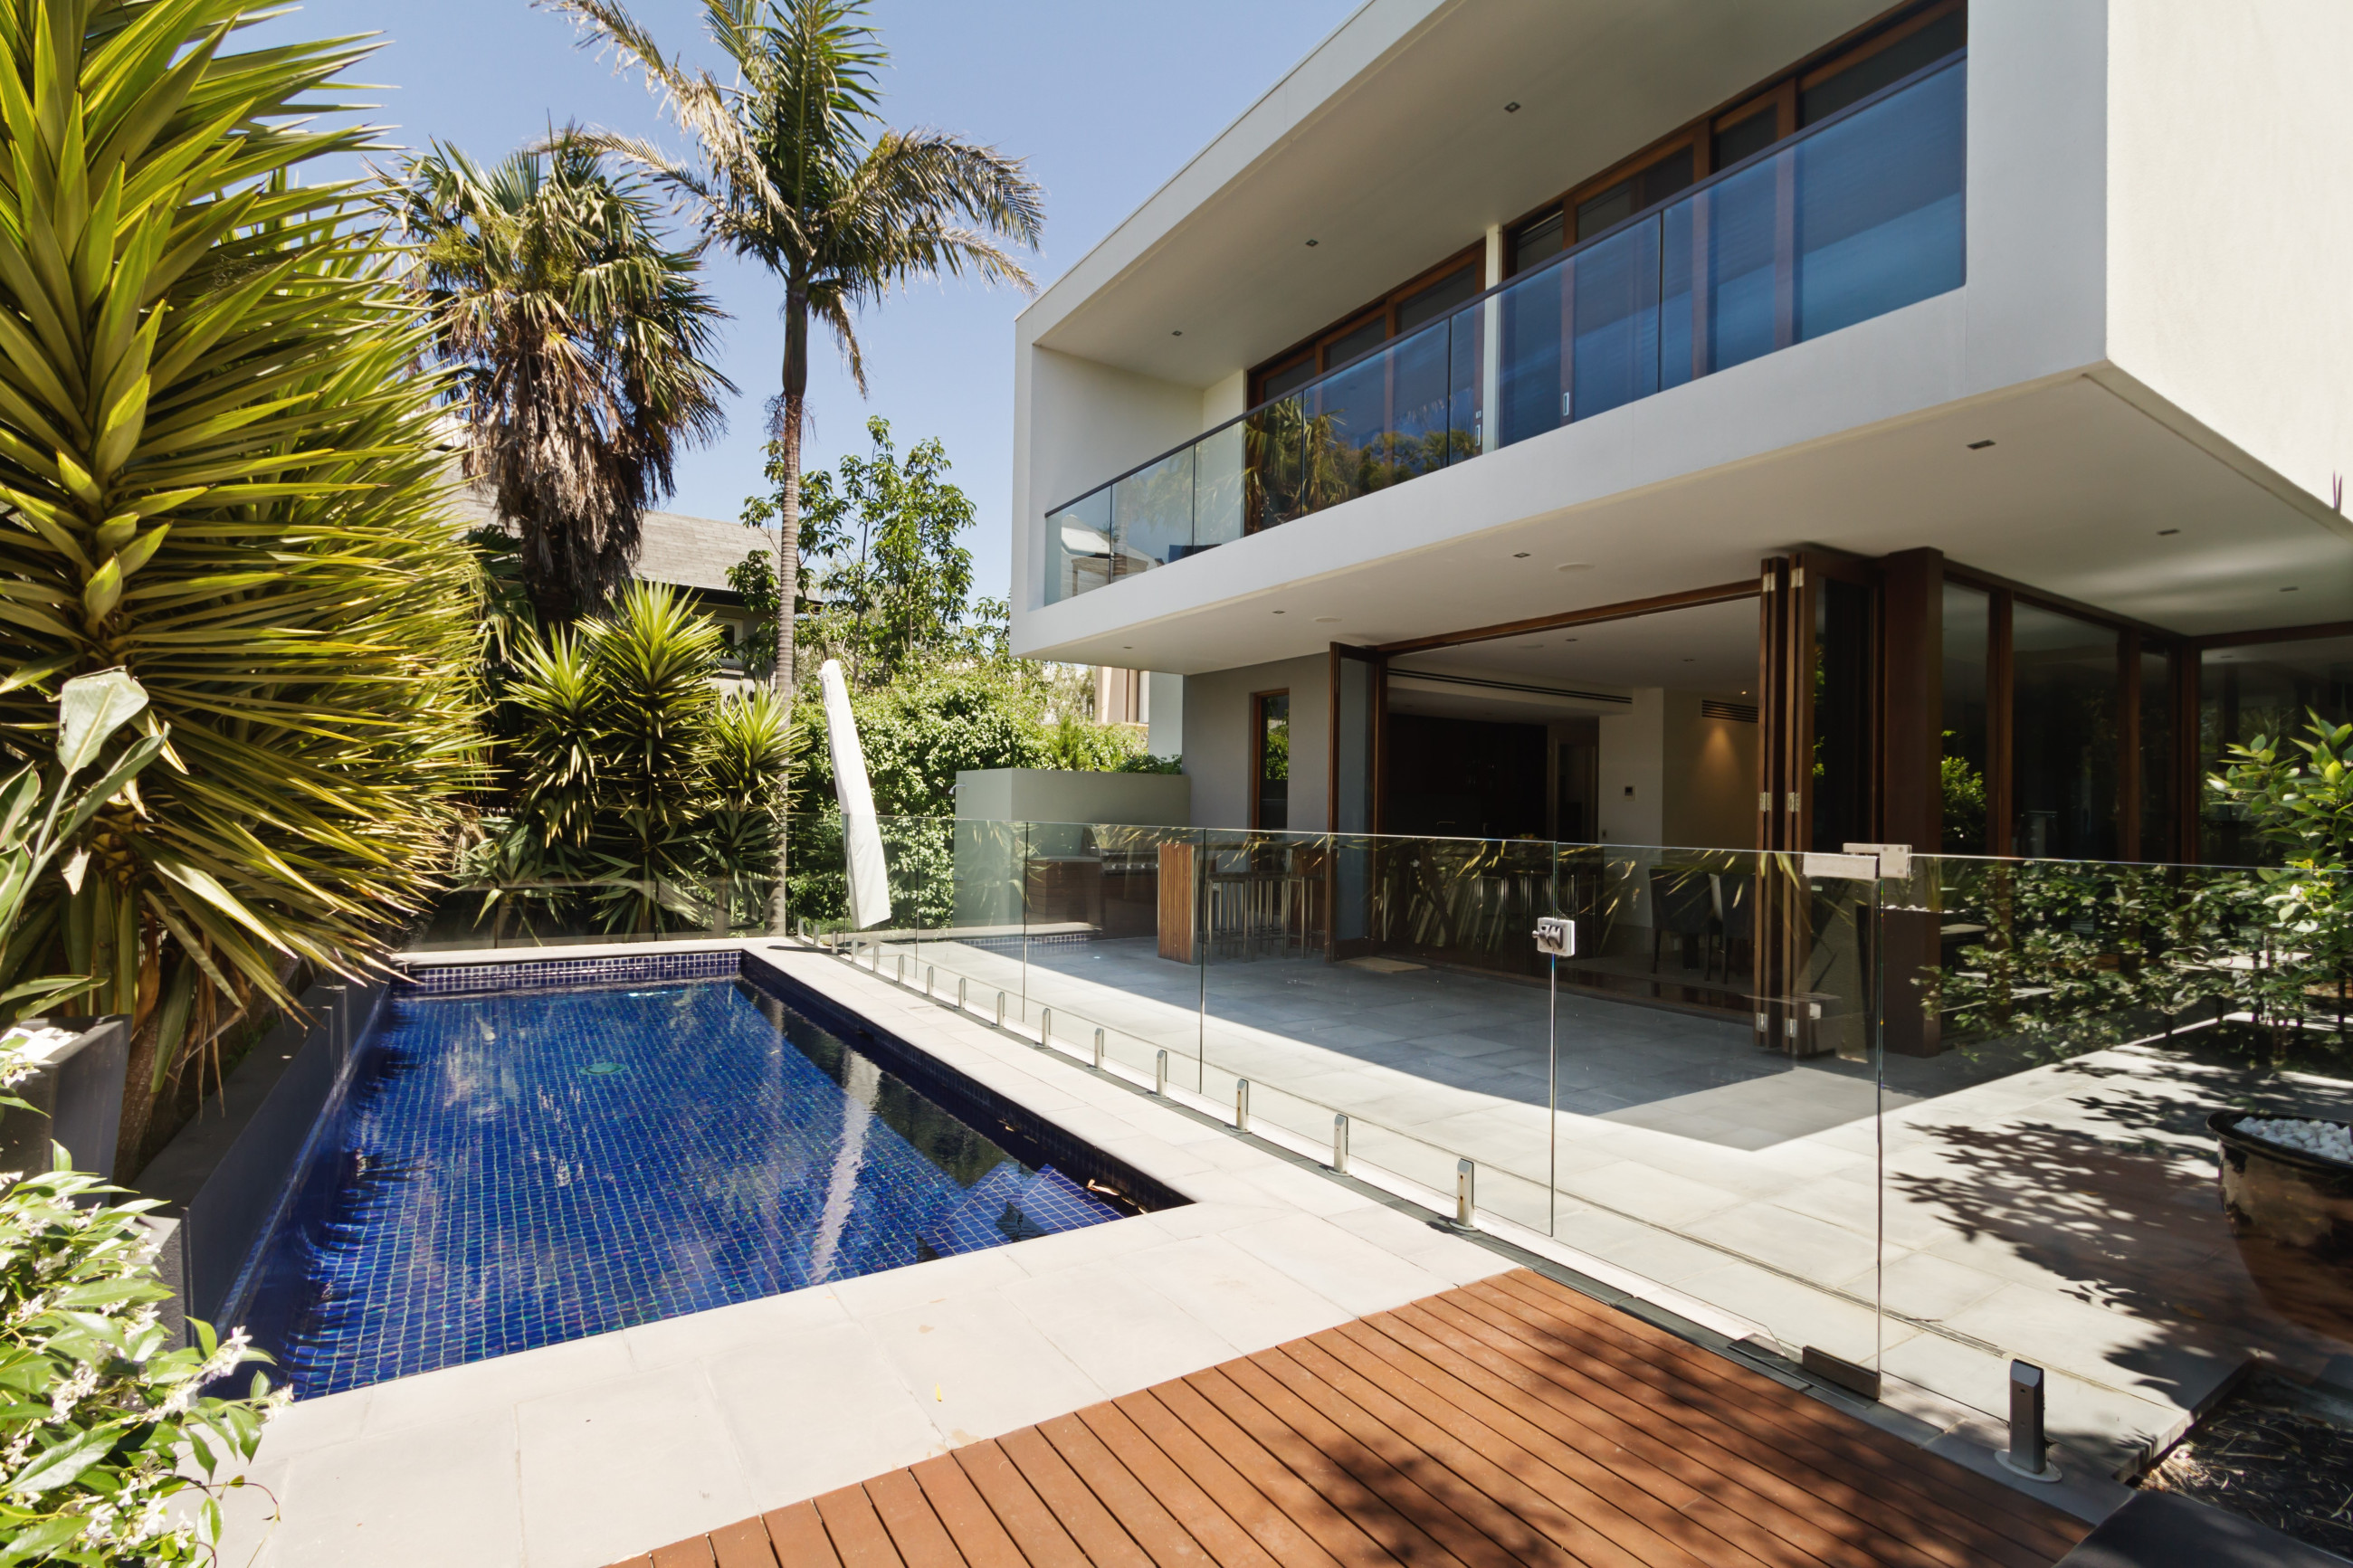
x=2153, y=334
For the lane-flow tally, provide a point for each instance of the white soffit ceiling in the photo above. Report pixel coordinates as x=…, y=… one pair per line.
x=1408, y=164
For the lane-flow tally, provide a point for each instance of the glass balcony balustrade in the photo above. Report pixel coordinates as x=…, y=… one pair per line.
x=1852, y=218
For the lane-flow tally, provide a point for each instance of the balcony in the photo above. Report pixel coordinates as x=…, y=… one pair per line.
x=1849, y=219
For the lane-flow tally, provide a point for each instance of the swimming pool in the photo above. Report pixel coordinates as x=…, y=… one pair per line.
x=515, y=1168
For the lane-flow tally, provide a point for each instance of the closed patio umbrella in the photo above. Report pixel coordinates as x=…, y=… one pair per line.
x=862, y=831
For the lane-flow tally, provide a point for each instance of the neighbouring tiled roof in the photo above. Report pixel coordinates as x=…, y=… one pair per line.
x=688, y=552
x=695, y=552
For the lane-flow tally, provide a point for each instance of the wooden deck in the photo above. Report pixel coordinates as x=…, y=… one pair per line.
x=1510, y=1422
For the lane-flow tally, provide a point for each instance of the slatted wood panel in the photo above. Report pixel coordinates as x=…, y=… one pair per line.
x=1510, y=1422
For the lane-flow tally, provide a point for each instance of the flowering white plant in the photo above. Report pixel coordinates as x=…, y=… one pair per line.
x=103, y=1420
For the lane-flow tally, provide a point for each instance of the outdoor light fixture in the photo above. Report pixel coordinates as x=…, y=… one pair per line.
x=1327, y=620
x=1511, y=108
x=1176, y=332
x=1310, y=245
x=1574, y=566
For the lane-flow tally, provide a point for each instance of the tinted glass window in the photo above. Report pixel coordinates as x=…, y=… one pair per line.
x=1273, y=744
x=1746, y=137
x=1613, y=205
x=2064, y=736
x=1277, y=381
x=1644, y=189
x=2262, y=689
x=1967, y=621
x=1538, y=242
x=1440, y=297
x=1355, y=340
x=1665, y=177
x=1891, y=64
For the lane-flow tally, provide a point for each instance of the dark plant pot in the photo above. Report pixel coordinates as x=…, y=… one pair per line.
x=77, y=1098
x=2291, y=1213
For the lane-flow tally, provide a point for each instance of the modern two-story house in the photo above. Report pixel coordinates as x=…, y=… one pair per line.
x=1723, y=424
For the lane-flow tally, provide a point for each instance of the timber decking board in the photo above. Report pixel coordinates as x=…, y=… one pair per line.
x=1510, y=1422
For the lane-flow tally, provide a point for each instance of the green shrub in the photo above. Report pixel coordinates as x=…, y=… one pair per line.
x=102, y=1419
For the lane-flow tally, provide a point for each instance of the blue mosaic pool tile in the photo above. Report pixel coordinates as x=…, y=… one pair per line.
x=514, y=1169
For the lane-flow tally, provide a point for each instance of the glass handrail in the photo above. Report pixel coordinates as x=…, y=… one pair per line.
x=1848, y=219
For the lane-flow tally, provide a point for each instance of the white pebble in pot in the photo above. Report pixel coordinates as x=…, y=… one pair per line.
x=2324, y=1139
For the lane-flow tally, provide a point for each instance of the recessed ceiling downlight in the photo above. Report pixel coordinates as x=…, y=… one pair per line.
x=1574, y=566
x=1327, y=620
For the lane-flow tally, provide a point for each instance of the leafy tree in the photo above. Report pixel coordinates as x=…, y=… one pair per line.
x=220, y=474
x=579, y=349
x=887, y=587
x=792, y=170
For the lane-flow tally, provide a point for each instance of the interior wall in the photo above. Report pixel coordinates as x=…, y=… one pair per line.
x=1710, y=779
x=1633, y=771
x=1217, y=748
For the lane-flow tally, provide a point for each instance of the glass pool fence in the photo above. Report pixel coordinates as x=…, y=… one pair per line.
x=1908, y=1120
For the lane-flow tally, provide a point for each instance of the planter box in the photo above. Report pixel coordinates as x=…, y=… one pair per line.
x=2292, y=1215
x=77, y=1098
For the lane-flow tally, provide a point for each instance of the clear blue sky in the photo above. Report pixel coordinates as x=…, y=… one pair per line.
x=1105, y=98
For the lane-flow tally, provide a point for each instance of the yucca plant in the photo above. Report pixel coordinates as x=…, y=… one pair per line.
x=218, y=472
x=634, y=775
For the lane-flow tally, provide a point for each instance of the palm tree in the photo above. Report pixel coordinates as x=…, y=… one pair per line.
x=579, y=343
x=793, y=169
x=219, y=473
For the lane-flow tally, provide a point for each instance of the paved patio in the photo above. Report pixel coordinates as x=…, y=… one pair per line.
x=2064, y=1214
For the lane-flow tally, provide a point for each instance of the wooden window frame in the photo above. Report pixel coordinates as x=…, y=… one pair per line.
x=1258, y=756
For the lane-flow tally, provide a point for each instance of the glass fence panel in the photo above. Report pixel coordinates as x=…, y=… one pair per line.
x=1716, y=1073
x=1879, y=205
x=1152, y=515
x=2116, y=1144
x=1730, y=240
x=1078, y=552
x=1105, y=917
x=1274, y=445
x=1220, y=488
x=1615, y=341
x=1689, y=1103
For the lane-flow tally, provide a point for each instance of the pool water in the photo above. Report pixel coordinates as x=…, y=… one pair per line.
x=510, y=1170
